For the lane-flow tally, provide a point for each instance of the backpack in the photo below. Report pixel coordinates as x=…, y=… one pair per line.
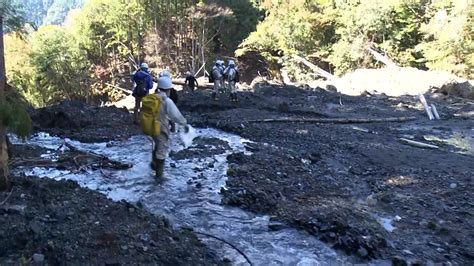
x=150, y=115
x=140, y=90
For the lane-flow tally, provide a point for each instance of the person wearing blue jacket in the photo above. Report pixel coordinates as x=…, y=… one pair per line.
x=143, y=84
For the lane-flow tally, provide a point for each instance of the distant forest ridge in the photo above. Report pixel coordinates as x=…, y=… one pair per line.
x=48, y=12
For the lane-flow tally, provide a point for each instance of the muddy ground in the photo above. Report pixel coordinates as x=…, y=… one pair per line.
x=340, y=181
x=79, y=121
x=336, y=181
x=48, y=222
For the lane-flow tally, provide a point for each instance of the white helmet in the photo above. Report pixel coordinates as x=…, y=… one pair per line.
x=144, y=66
x=165, y=73
x=231, y=63
x=165, y=83
x=188, y=74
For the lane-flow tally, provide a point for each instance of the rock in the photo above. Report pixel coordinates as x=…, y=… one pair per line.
x=432, y=225
x=112, y=262
x=14, y=209
x=461, y=89
x=38, y=258
x=283, y=107
x=453, y=185
x=172, y=165
x=371, y=201
x=35, y=227
x=362, y=252
x=275, y=226
x=399, y=261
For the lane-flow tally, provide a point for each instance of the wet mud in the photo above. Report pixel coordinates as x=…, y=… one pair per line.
x=354, y=186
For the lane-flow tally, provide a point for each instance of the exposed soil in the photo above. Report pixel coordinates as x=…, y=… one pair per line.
x=79, y=121
x=338, y=181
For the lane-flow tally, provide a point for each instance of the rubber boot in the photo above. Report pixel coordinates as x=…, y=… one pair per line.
x=153, y=164
x=159, y=170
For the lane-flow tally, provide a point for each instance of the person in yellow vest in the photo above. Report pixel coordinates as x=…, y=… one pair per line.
x=168, y=111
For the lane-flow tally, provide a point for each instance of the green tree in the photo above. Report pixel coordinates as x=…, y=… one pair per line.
x=19, y=71
x=449, y=37
x=302, y=27
x=106, y=27
x=61, y=70
x=11, y=115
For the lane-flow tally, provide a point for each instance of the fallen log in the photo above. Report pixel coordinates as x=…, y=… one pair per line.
x=181, y=82
x=418, y=144
x=330, y=120
x=128, y=92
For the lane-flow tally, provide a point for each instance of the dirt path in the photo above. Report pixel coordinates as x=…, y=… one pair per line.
x=343, y=183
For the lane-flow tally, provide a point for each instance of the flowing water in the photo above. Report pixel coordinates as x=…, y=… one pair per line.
x=190, y=198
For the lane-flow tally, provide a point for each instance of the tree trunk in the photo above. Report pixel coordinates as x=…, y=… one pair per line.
x=3, y=141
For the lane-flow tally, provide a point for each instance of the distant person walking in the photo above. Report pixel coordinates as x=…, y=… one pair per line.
x=217, y=77
x=143, y=84
x=232, y=76
x=191, y=81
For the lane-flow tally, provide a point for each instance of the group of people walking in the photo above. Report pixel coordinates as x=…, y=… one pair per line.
x=225, y=78
x=157, y=113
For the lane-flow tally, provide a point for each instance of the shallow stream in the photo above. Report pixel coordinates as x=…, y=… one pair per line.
x=190, y=198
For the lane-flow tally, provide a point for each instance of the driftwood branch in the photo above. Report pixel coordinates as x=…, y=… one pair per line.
x=321, y=72
x=435, y=111
x=382, y=58
x=8, y=197
x=418, y=144
x=426, y=106
x=331, y=120
x=118, y=88
x=182, y=82
x=228, y=243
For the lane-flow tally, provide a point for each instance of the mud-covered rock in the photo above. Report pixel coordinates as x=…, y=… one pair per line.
x=202, y=147
x=79, y=121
